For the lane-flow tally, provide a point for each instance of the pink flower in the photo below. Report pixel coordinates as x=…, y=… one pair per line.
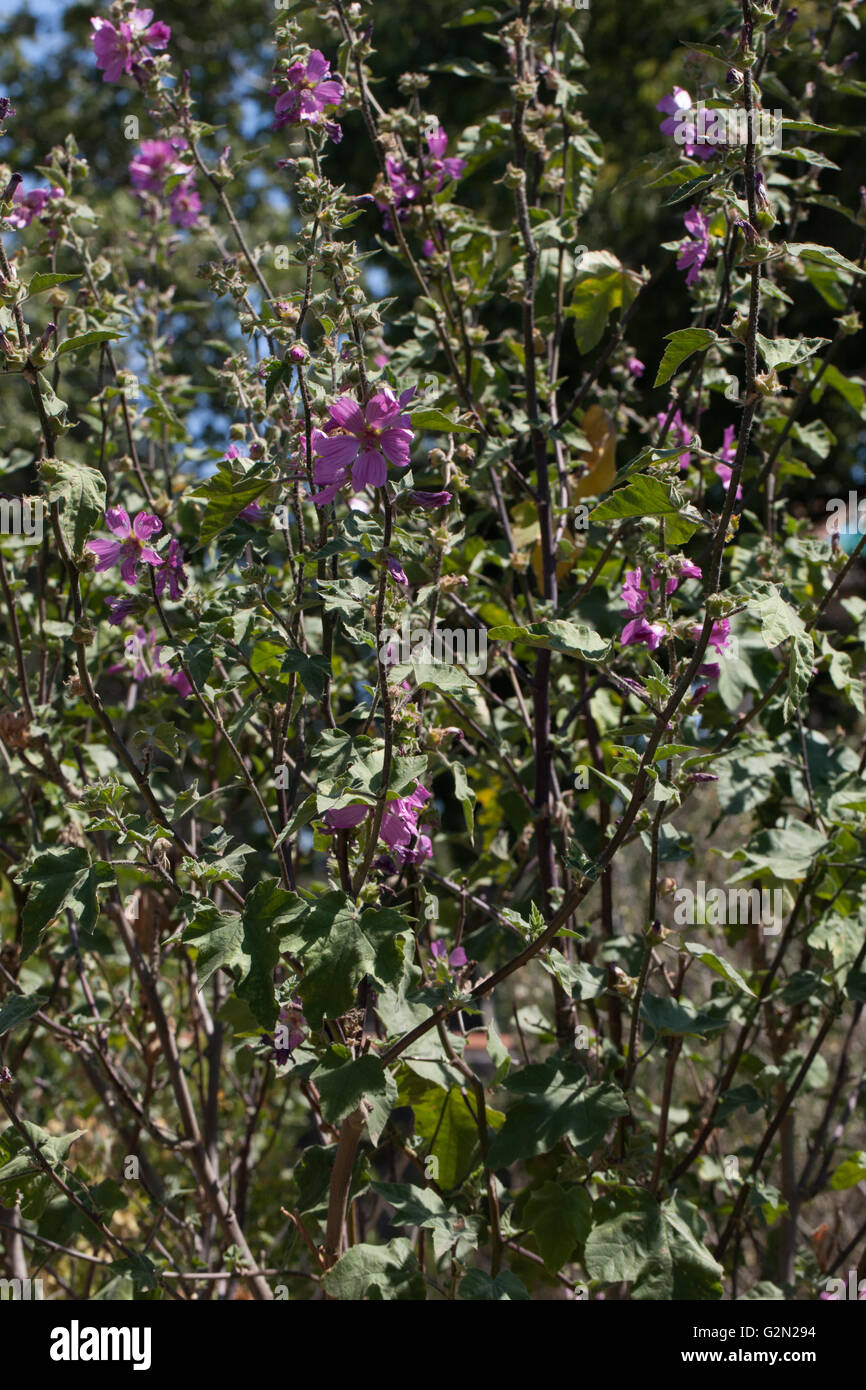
x=456, y=958
x=184, y=204
x=400, y=830
x=633, y=596
x=681, y=433
x=685, y=570
x=407, y=188
x=430, y=500
x=142, y=648
x=172, y=572
x=635, y=367
x=120, y=609
x=726, y=453
x=253, y=513
x=311, y=89
x=720, y=634
x=693, y=253
x=117, y=50
x=292, y=1029
x=396, y=571
x=26, y=206
x=365, y=439
x=155, y=161
x=346, y=817
x=674, y=107
x=639, y=630
x=130, y=549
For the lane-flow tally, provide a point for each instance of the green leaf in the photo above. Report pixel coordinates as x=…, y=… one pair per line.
x=779, y=353
x=643, y=496
x=434, y=421
x=558, y=635
x=478, y=1287
x=602, y=285
x=226, y=498
x=60, y=877
x=670, y=1016
x=85, y=340
x=444, y=1122
x=681, y=345
x=849, y=1173
x=556, y=1102
x=465, y=795
x=655, y=1248
x=378, y=1272
x=18, y=1008
x=424, y=1208
x=45, y=280
x=822, y=255
x=720, y=966
x=218, y=941
x=340, y=948
x=344, y=1083
x=560, y=1218
x=778, y=618
x=80, y=494
x=263, y=915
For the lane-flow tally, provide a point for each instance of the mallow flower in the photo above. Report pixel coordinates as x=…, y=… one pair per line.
x=117, y=50
x=130, y=548
x=363, y=439
x=305, y=92
x=693, y=252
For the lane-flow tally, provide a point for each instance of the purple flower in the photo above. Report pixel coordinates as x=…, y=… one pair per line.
x=142, y=648
x=253, y=513
x=117, y=50
x=184, y=204
x=155, y=161
x=6, y=109
x=700, y=777
x=130, y=548
x=399, y=827
x=120, y=609
x=639, y=630
x=311, y=89
x=720, y=634
x=456, y=958
x=172, y=572
x=681, y=433
x=675, y=106
x=363, y=438
x=685, y=570
x=635, y=367
x=726, y=453
x=633, y=596
x=26, y=206
x=396, y=571
x=693, y=253
x=347, y=817
x=430, y=500
x=407, y=187
x=292, y=1028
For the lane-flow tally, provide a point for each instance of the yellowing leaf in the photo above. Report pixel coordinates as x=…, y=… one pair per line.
x=600, y=459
